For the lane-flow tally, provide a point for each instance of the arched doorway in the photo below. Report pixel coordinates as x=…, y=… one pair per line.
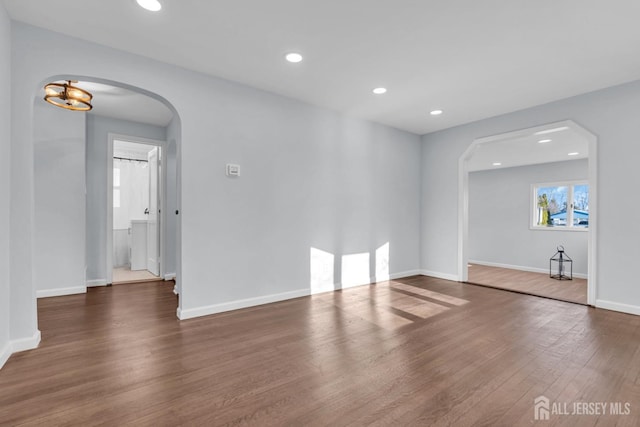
x=91, y=210
x=463, y=195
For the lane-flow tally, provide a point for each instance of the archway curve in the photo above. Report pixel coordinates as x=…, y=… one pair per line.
x=38, y=89
x=109, y=82
x=463, y=198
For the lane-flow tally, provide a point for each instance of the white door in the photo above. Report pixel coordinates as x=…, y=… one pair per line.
x=153, y=222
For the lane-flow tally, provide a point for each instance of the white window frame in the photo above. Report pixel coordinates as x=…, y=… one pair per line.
x=117, y=187
x=570, y=189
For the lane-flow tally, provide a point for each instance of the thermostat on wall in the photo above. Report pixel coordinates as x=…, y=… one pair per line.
x=233, y=170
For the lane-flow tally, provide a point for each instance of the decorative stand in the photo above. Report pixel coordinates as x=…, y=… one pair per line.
x=561, y=259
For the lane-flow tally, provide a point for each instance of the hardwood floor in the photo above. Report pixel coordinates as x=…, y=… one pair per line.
x=122, y=275
x=417, y=351
x=529, y=283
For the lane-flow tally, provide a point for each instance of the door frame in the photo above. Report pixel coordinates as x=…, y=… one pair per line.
x=463, y=199
x=163, y=195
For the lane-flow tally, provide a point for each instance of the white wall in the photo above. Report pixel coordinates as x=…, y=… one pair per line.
x=5, y=138
x=98, y=129
x=311, y=178
x=23, y=320
x=610, y=114
x=59, y=233
x=500, y=217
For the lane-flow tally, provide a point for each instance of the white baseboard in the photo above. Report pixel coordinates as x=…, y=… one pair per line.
x=96, y=282
x=236, y=305
x=25, y=344
x=617, y=306
x=521, y=268
x=339, y=286
x=17, y=346
x=170, y=276
x=372, y=280
x=251, y=302
x=438, y=275
x=175, y=289
x=46, y=293
x=5, y=353
x=404, y=274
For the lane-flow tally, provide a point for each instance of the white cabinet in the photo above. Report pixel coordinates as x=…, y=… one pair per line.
x=138, y=245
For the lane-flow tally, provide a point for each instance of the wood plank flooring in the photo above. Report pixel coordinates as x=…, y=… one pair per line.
x=529, y=283
x=123, y=275
x=417, y=351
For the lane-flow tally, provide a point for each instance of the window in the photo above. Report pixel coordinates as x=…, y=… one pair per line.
x=116, y=187
x=563, y=205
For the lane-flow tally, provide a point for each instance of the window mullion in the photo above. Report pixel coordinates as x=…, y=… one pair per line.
x=570, y=206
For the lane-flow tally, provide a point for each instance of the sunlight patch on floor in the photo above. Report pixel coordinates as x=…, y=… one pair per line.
x=389, y=305
x=429, y=294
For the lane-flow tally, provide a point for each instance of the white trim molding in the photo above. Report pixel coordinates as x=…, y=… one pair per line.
x=46, y=293
x=372, y=281
x=96, y=282
x=25, y=344
x=618, y=306
x=438, y=275
x=111, y=137
x=238, y=304
x=169, y=276
x=403, y=274
x=521, y=268
x=267, y=299
x=19, y=345
x=5, y=354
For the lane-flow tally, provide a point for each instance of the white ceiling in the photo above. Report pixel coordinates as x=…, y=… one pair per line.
x=473, y=59
x=527, y=150
x=125, y=104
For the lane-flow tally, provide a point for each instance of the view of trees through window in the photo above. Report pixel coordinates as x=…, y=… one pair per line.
x=562, y=205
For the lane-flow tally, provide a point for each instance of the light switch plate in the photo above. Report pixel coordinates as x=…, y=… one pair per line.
x=233, y=170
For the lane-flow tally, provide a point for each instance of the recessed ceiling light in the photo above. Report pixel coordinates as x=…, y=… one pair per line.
x=293, y=57
x=152, y=5
x=436, y=112
x=380, y=90
x=497, y=164
x=575, y=153
x=546, y=131
x=544, y=141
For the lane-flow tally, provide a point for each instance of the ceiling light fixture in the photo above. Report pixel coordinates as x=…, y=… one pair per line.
x=380, y=90
x=68, y=96
x=436, y=112
x=544, y=141
x=152, y=5
x=497, y=164
x=575, y=153
x=293, y=57
x=546, y=131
